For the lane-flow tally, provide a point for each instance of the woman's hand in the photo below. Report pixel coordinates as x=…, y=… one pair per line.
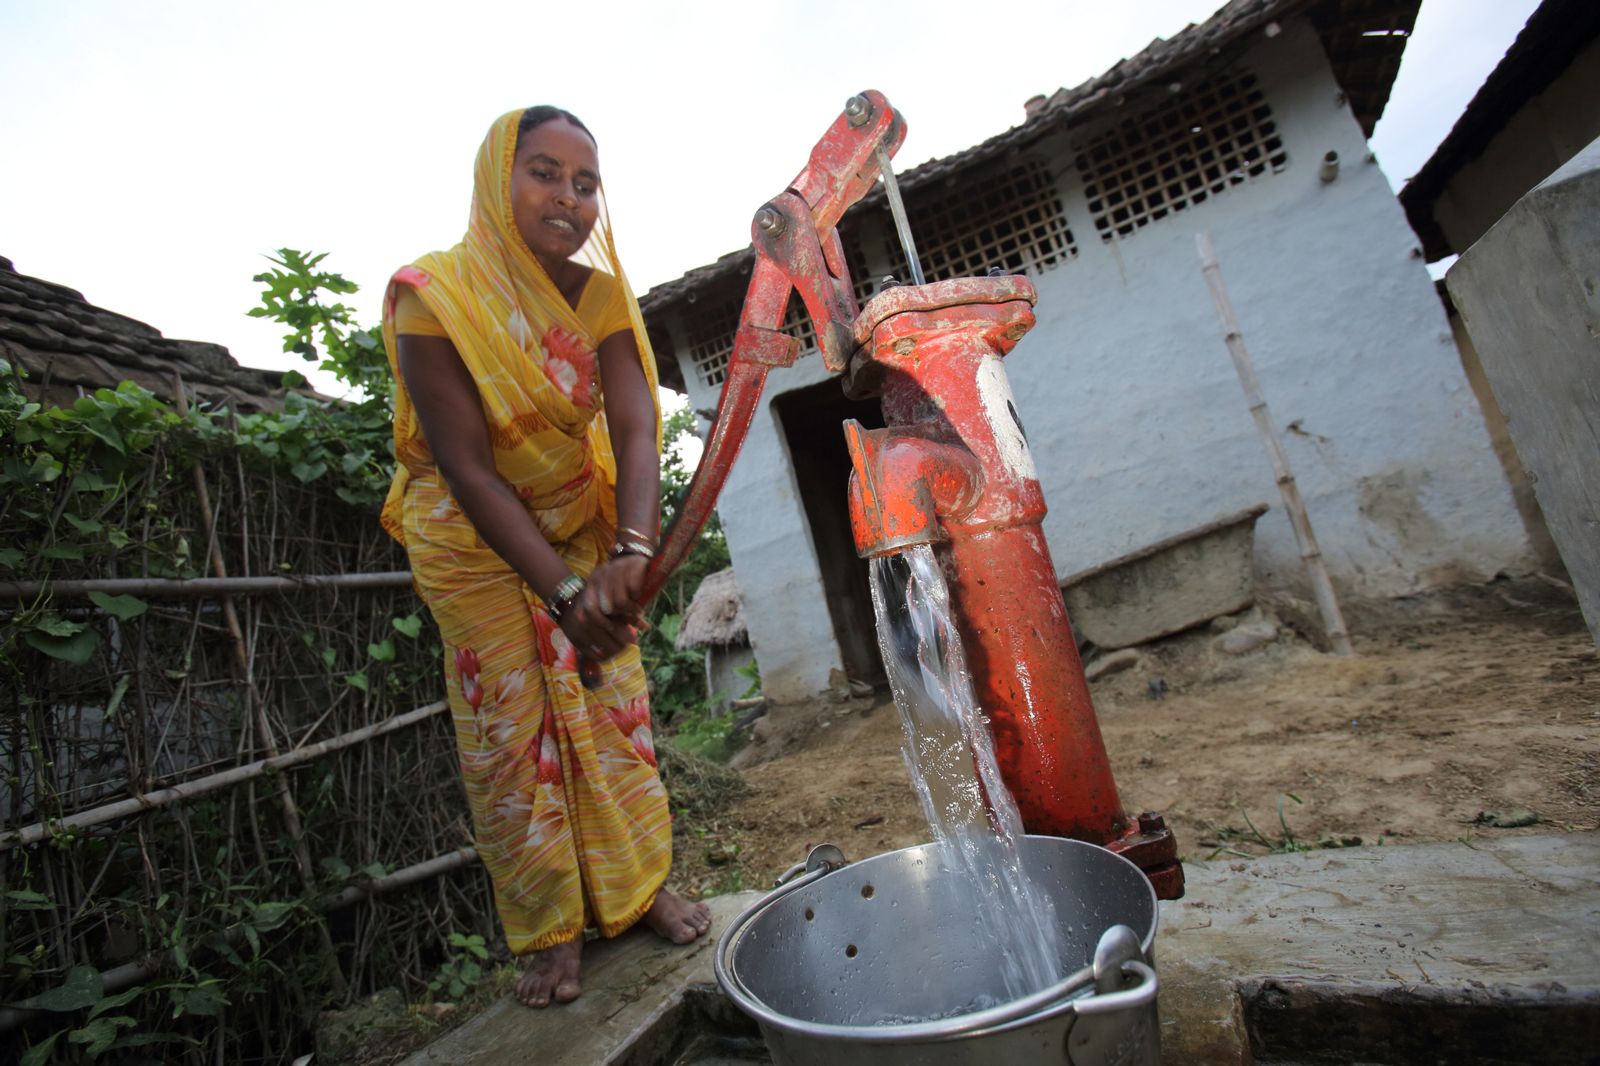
x=617, y=584
x=601, y=621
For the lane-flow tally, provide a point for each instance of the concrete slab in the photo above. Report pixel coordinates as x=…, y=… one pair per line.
x=1169, y=586
x=1527, y=293
x=629, y=985
x=1482, y=952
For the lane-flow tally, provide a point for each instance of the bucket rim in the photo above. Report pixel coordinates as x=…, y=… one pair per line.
x=1040, y=1006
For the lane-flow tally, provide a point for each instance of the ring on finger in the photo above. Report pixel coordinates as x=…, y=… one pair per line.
x=605, y=602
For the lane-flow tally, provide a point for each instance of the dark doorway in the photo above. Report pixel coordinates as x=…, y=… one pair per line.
x=812, y=419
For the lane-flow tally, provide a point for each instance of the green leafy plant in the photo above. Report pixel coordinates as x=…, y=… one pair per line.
x=320, y=329
x=88, y=489
x=751, y=672
x=461, y=972
x=102, y=1031
x=701, y=733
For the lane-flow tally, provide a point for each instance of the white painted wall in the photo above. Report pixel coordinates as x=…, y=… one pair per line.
x=1138, y=424
x=1349, y=340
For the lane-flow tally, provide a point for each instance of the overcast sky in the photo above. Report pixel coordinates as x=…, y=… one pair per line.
x=154, y=151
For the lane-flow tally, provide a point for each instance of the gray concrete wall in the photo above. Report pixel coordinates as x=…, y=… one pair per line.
x=724, y=682
x=1529, y=293
x=1139, y=428
x=1494, y=420
x=1544, y=134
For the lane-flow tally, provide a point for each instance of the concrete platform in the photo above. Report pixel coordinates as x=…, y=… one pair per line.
x=630, y=986
x=1487, y=952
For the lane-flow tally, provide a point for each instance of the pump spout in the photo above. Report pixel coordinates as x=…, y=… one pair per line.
x=905, y=485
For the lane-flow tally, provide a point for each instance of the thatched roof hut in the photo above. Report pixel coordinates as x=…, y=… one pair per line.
x=715, y=616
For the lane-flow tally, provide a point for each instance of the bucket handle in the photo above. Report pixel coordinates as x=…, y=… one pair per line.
x=1118, y=955
x=1141, y=995
x=826, y=857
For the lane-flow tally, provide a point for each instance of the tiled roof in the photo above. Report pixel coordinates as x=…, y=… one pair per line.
x=68, y=344
x=1364, y=65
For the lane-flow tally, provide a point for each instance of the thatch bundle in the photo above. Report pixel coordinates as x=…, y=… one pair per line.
x=715, y=615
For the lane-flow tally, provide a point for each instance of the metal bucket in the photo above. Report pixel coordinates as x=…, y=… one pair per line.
x=831, y=964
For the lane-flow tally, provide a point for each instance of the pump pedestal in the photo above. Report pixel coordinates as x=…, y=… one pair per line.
x=953, y=469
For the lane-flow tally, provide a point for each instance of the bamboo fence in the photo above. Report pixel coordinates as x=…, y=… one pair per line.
x=251, y=782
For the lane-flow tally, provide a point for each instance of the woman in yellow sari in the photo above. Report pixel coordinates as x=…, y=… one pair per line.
x=526, y=492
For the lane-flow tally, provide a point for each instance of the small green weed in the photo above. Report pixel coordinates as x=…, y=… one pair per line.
x=1225, y=839
x=461, y=973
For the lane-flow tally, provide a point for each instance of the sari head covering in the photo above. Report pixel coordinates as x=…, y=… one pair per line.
x=532, y=357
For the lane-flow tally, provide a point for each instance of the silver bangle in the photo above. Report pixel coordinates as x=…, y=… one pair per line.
x=630, y=547
x=561, y=599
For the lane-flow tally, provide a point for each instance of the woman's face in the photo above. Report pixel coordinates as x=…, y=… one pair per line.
x=555, y=189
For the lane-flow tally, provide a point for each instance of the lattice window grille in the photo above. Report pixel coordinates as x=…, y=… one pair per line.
x=710, y=334
x=1219, y=134
x=1010, y=218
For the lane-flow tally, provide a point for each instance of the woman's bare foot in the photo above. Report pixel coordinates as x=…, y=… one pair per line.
x=676, y=920
x=552, y=974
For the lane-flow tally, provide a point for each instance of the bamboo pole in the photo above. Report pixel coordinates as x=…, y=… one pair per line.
x=1310, y=553
x=131, y=973
x=149, y=801
x=163, y=588
x=263, y=728
x=422, y=871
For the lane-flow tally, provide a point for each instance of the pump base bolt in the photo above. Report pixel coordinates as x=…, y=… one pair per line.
x=1149, y=845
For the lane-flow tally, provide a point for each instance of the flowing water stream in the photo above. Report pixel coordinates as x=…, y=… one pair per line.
x=950, y=754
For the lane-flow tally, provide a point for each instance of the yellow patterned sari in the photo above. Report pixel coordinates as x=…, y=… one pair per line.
x=570, y=816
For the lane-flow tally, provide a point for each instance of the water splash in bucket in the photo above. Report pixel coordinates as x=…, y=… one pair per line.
x=950, y=753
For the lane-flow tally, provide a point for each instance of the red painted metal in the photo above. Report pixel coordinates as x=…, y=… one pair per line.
x=939, y=346
x=907, y=486
x=952, y=469
x=757, y=350
x=797, y=249
x=1150, y=845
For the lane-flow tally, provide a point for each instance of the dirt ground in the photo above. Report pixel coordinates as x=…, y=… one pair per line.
x=1475, y=705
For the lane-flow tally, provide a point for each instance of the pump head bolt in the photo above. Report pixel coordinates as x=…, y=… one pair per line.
x=770, y=221
x=858, y=110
